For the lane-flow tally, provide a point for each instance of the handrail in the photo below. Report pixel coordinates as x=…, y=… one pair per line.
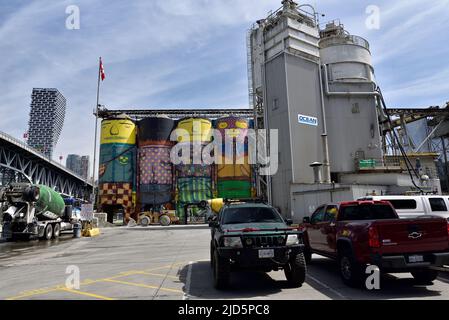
x=26, y=147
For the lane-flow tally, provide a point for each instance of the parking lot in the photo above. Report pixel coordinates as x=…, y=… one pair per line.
x=168, y=263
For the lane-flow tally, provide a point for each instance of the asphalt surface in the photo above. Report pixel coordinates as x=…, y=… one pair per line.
x=168, y=263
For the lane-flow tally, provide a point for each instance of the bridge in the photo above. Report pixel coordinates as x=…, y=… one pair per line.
x=20, y=163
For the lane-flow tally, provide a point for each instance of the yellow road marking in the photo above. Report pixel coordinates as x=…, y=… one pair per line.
x=88, y=294
x=123, y=275
x=167, y=266
x=159, y=275
x=35, y=292
x=88, y=282
x=142, y=285
x=160, y=268
x=32, y=293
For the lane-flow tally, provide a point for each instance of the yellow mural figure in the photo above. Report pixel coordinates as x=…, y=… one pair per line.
x=200, y=130
x=119, y=131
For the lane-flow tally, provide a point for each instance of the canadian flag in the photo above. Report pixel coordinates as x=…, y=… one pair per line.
x=102, y=74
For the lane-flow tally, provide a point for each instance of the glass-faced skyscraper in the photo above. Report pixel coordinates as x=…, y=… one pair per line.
x=46, y=119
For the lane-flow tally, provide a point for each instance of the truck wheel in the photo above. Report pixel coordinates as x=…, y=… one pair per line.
x=350, y=270
x=222, y=271
x=308, y=255
x=56, y=230
x=165, y=220
x=48, y=232
x=145, y=221
x=426, y=276
x=211, y=253
x=295, y=271
x=307, y=251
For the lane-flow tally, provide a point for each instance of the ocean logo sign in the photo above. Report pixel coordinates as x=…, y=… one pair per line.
x=310, y=121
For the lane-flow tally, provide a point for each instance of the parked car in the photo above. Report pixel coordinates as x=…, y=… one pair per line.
x=254, y=236
x=415, y=206
x=362, y=233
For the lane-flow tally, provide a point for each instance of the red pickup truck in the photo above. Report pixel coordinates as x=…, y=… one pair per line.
x=362, y=233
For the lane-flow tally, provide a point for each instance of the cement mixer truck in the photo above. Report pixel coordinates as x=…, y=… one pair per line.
x=31, y=211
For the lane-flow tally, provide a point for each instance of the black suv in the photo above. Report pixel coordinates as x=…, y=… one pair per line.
x=254, y=236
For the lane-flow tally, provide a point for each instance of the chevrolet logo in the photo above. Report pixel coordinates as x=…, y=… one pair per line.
x=415, y=235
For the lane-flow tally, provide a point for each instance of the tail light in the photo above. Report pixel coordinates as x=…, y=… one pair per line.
x=373, y=234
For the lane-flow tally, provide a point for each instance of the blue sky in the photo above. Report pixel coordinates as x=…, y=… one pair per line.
x=191, y=54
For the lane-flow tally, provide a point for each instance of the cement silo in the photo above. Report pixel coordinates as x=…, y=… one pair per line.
x=234, y=171
x=285, y=76
x=194, y=179
x=155, y=179
x=117, y=171
x=350, y=100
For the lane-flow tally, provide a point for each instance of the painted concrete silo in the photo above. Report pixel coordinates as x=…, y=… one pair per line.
x=350, y=99
x=234, y=172
x=155, y=167
x=117, y=173
x=194, y=179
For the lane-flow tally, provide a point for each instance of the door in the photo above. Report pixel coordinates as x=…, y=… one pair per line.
x=328, y=230
x=314, y=229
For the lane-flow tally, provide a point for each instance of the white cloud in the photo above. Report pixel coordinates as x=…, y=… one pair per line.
x=429, y=89
x=406, y=28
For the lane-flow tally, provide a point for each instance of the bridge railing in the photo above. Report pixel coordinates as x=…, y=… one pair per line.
x=26, y=147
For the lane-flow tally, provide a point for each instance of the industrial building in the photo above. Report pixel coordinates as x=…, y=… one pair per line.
x=47, y=116
x=316, y=110
x=321, y=83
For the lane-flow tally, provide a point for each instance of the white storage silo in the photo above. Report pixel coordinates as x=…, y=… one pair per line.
x=350, y=99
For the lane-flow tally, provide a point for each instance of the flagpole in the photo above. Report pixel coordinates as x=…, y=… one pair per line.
x=94, y=184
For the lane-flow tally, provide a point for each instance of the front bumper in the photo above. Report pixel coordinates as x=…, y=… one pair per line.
x=401, y=262
x=248, y=258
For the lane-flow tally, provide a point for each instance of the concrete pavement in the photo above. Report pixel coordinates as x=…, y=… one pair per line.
x=167, y=263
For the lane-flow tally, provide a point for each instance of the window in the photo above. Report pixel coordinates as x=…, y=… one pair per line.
x=367, y=212
x=275, y=104
x=331, y=213
x=250, y=215
x=437, y=204
x=318, y=216
x=403, y=204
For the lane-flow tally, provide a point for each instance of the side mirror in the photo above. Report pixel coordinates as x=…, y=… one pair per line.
x=306, y=220
x=289, y=222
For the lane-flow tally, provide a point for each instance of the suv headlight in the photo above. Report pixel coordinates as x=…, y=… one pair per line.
x=292, y=240
x=233, y=242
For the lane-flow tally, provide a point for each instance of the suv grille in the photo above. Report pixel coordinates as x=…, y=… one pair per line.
x=263, y=241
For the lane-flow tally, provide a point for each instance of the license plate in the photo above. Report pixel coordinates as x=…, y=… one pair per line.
x=416, y=259
x=269, y=253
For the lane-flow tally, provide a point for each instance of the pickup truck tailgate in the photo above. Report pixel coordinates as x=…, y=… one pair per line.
x=413, y=235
